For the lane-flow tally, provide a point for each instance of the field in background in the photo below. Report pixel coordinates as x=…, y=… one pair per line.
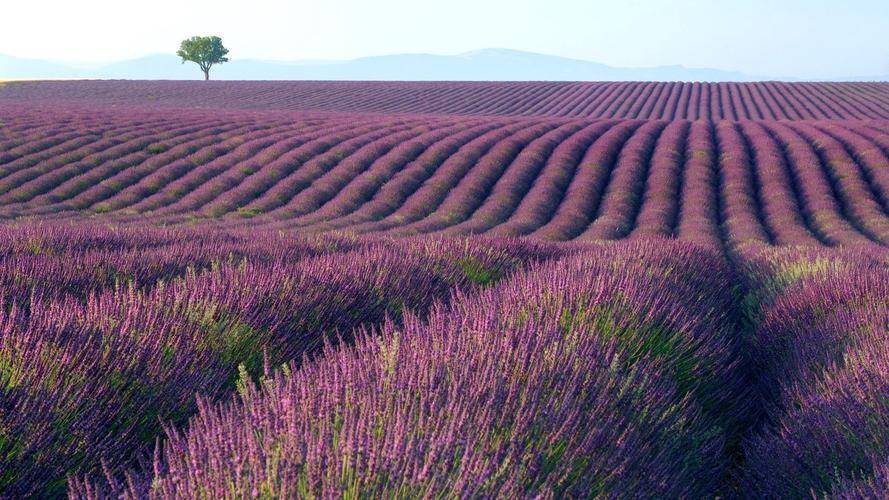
x=307, y=289
x=645, y=100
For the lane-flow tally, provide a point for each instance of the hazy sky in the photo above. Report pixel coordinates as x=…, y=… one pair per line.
x=795, y=38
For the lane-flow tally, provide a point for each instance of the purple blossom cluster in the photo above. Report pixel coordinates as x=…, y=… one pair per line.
x=92, y=364
x=596, y=374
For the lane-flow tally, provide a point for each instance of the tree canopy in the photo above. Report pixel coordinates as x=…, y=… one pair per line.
x=203, y=50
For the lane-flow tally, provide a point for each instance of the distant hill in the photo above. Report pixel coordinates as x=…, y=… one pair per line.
x=15, y=67
x=484, y=65
x=479, y=65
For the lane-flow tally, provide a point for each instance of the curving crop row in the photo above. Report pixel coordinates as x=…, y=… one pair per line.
x=580, y=204
x=363, y=185
x=743, y=219
x=850, y=183
x=620, y=204
x=427, y=197
x=484, y=200
x=660, y=204
x=819, y=202
x=779, y=191
x=357, y=149
x=328, y=184
x=699, y=215
x=540, y=200
x=388, y=197
x=201, y=183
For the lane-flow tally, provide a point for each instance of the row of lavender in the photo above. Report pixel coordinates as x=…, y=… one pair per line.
x=108, y=334
x=778, y=182
x=634, y=100
x=821, y=352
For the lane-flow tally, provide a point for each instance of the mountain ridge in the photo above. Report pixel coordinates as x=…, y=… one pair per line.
x=490, y=64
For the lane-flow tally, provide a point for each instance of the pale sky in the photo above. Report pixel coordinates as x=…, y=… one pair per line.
x=779, y=38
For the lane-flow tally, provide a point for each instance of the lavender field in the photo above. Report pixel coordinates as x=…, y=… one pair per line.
x=512, y=290
x=645, y=100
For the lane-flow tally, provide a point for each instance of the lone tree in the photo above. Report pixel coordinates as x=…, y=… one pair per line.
x=203, y=50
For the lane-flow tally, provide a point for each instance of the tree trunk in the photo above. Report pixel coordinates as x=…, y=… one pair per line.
x=206, y=74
